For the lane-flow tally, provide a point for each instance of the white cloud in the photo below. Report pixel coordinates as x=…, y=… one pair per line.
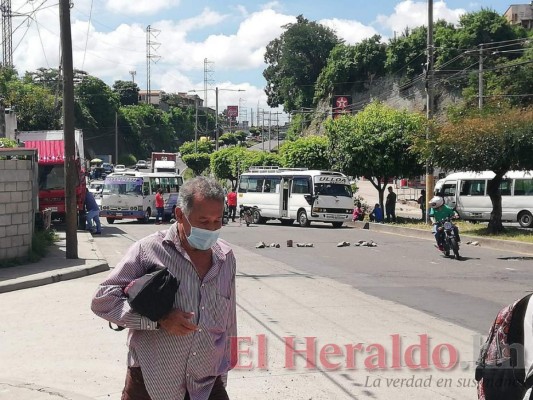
x=351, y=31
x=140, y=7
x=242, y=50
x=412, y=14
x=206, y=18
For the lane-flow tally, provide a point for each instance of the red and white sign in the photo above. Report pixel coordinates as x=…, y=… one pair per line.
x=341, y=105
x=233, y=111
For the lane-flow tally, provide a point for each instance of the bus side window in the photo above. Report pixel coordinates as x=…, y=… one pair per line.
x=505, y=187
x=448, y=190
x=243, y=185
x=300, y=186
x=523, y=187
x=473, y=188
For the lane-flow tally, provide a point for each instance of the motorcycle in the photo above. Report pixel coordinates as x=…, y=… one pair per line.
x=450, y=242
x=247, y=214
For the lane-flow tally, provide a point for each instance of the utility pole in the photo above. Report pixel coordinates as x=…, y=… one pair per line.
x=262, y=131
x=133, y=73
x=216, y=118
x=116, y=137
x=269, y=130
x=68, y=131
x=429, y=102
x=480, y=82
x=196, y=125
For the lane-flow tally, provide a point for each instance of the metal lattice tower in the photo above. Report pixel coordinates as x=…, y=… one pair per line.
x=7, y=34
x=209, y=77
x=151, y=45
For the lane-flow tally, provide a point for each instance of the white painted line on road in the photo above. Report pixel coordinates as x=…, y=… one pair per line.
x=510, y=269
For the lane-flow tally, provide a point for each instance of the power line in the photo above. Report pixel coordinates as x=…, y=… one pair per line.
x=87, y=36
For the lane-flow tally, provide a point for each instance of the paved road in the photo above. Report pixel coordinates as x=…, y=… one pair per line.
x=51, y=341
x=406, y=270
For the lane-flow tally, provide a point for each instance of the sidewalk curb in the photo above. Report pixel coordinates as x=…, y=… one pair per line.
x=54, y=276
x=8, y=385
x=498, y=244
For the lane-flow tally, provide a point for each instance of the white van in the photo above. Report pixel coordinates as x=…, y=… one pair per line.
x=467, y=193
x=296, y=194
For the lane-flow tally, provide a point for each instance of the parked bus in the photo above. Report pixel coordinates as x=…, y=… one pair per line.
x=467, y=193
x=296, y=194
x=131, y=195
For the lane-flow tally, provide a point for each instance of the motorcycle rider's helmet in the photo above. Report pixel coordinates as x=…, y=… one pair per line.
x=436, y=202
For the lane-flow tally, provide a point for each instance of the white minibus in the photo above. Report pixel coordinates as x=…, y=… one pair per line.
x=290, y=194
x=467, y=193
x=131, y=195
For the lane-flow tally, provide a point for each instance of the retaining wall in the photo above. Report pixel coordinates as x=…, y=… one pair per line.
x=18, y=201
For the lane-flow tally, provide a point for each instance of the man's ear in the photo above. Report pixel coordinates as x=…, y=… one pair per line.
x=178, y=213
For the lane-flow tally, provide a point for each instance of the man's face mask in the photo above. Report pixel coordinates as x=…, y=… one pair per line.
x=201, y=239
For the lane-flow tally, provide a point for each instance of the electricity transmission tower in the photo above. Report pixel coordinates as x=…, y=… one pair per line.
x=209, y=80
x=151, y=45
x=7, y=34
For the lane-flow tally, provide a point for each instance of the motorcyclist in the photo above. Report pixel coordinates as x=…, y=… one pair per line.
x=438, y=212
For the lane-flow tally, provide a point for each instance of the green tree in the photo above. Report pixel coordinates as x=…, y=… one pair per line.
x=308, y=152
x=406, y=53
x=226, y=164
x=95, y=112
x=375, y=143
x=351, y=67
x=228, y=139
x=201, y=146
x=198, y=162
x=7, y=143
x=127, y=91
x=145, y=129
x=499, y=143
x=183, y=121
x=240, y=135
x=294, y=62
x=35, y=106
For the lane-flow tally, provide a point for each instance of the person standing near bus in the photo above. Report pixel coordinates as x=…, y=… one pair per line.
x=159, y=206
x=232, y=204
x=390, y=205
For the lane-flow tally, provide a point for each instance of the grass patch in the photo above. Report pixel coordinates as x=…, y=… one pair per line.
x=41, y=241
x=479, y=229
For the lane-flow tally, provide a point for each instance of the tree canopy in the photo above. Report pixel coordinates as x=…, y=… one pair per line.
x=497, y=142
x=294, y=62
x=307, y=152
x=375, y=143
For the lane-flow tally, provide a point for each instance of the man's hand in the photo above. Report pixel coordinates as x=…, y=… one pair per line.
x=178, y=323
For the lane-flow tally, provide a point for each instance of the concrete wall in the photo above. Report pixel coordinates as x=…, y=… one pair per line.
x=18, y=204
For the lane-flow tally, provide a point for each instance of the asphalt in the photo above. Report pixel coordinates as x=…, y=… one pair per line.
x=55, y=267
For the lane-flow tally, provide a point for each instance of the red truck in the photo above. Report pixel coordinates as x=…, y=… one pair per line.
x=51, y=176
x=163, y=162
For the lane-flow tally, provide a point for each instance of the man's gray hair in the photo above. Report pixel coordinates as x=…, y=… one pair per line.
x=199, y=187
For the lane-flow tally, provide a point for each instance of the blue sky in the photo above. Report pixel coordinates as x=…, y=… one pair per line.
x=109, y=37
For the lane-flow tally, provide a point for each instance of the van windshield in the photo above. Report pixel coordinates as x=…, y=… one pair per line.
x=123, y=186
x=333, y=189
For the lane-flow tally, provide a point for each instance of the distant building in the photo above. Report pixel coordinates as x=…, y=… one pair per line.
x=155, y=96
x=520, y=14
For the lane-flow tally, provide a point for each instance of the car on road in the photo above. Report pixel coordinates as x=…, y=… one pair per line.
x=142, y=164
x=120, y=168
x=108, y=168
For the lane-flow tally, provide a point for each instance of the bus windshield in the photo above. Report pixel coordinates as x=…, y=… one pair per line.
x=333, y=189
x=123, y=185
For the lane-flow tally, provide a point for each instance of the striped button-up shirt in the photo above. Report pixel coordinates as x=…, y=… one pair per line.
x=172, y=365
